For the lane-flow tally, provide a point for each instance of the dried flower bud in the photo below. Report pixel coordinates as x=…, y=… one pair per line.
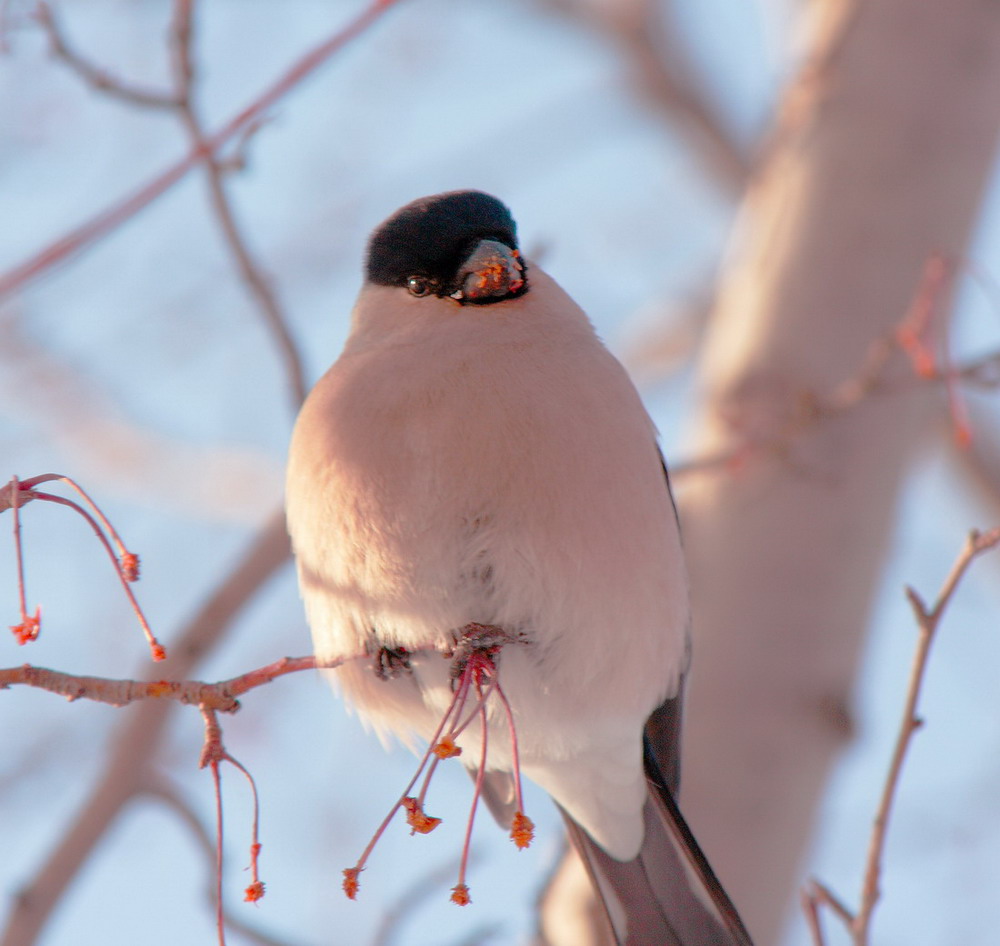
x=28, y=629
x=130, y=566
x=254, y=892
x=522, y=830
x=446, y=749
x=420, y=823
x=351, y=884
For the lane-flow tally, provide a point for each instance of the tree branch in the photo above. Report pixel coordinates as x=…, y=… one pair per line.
x=666, y=79
x=221, y=696
x=250, y=271
x=92, y=74
x=928, y=621
x=114, y=215
x=138, y=738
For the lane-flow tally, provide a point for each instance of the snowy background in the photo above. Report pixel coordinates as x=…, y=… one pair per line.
x=142, y=369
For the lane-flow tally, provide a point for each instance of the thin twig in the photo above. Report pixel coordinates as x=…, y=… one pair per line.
x=810, y=909
x=182, y=39
x=168, y=796
x=112, y=532
x=666, y=78
x=212, y=754
x=822, y=894
x=113, y=216
x=876, y=377
x=30, y=624
x=92, y=74
x=131, y=751
x=928, y=620
x=125, y=563
x=156, y=648
x=394, y=916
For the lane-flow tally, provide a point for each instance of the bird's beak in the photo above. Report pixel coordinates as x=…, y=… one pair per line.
x=492, y=271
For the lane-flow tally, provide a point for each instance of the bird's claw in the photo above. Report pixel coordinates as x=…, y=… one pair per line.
x=482, y=640
x=391, y=662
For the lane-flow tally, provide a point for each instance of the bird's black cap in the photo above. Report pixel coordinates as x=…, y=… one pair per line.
x=430, y=238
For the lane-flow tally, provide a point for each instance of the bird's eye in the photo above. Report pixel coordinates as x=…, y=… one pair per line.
x=419, y=285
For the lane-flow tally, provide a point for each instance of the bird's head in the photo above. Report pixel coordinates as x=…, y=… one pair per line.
x=460, y=245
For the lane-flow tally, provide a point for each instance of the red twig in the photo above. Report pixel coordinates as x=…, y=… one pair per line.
x=111, y=217
x=30, y=625
x=126, y=566
x=878, y=376
x=129, y=756
x=125, y=557
x=351, y=883
x=474, y=668
x=212, y=754
x=460, y=892
x=165, y=794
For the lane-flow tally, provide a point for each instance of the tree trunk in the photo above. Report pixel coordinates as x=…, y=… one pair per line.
x=879, y=159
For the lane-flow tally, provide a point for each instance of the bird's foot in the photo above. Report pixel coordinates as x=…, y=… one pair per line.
x=391, y=662
x=480, y=641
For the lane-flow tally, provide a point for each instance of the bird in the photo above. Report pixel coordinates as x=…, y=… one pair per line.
x=477, y=458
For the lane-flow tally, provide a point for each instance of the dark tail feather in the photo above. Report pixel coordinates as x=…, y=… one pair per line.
x=668, y=895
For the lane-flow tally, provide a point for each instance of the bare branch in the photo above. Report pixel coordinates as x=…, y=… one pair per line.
x=810, y=908
x=182, y=101
x=93, y=75
x=666, y=79
x=250, y=271
x=928, y=620
x=113, y=216
x=138, y=739
x=73, y=412
x=819, y=893
x=221, y=696
x=875, y=378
